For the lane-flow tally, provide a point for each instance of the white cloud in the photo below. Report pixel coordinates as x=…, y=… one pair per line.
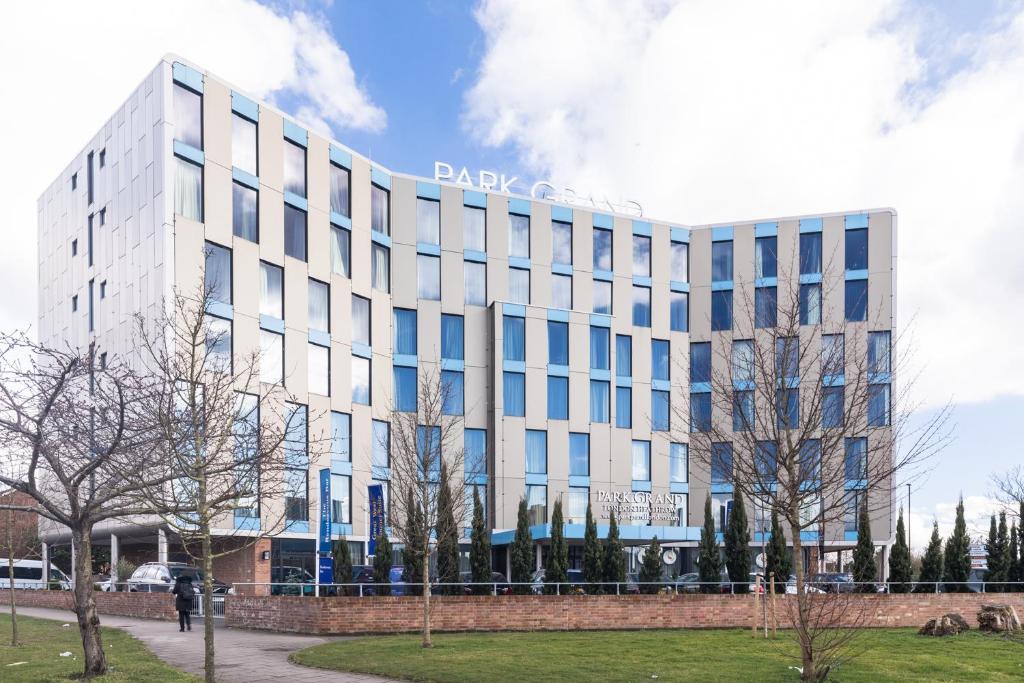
x=67, y=67
x=977, y=513
x=710, y=111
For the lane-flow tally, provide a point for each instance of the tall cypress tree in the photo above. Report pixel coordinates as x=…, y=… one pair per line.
x=479, y=548
x=592, y=571
x=558, y=555
x=865, y=570
x=521, y=551
x=709, y=563
x=993, y=556
x=931, y=564
x=957, y=557
x=447, y=539
x=737, y=547
x=382, y=565
x=412, y=553
x=901, y=570
x=1014, y=572
x=614, y=560
x=777, y=558
x=650, y=568
x=342, y=564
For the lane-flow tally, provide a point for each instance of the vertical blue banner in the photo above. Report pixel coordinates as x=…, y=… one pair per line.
x=325, y=511
x=375, y=494
x=325, y=567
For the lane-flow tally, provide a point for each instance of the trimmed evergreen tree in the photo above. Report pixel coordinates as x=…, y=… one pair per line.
x=956, y=567
x=1014, y=567
x=479, y=548
x=558, y=553
x=709, y=563
x=865, y=569
x=447, y=539
x=998, y=551
x=592, y=570
x=650, y=568
x=382, y=565
x=521, y=551
x=342, y=564
x=737, y=547
x=932, y=564
x=901, y=570
x=777, y=559
x=614, y=560
x=412, y=553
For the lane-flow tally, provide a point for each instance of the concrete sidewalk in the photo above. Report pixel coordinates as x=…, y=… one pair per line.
x=242, y=656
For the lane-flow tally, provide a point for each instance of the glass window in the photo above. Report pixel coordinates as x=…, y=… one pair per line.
x=680, y=262
x=360, y=320
x=856, y=300
x=857, y=458
x=380, y=220
x=602, y=249
x=832, y=407
x=810, y=460
x=474, y=228
x=679, y=303
x=381, y=447
x=810, y=304
x=514, y=384
x=743, y=411
x=659, y=359
x=380, y=274
x=296, y=501
x=788, y=406
x=340, y=193
x=766, y=460
x=536, y=451
x=721, y=463
x=561, y=243
x=623, y=355
x=677, y=463
x=476, y=452
x=576, y=506
x=518, y=286
x=341, y=499
x=743, y=360
x=243, y=144
x=599, y=400
x=319, y=370
x=405, y=389
x=810, y=253
x=428, y=221
x=623, y=407
x=294, y=168
x=878, y=405
x=833, y=354
x=341, y=437
x=341, y=257
x=296, y=437
x=879, y=359
x=452, y=337
x=561, y=291
x=514, y=333
x=721, y=310
x=641, y=256
x=518, y=236
x=271, y=290
x=218, y=343
x=851, y=515
x=660, y=411
x=641, y=461
x=537, y=504
x=599, y=348
x=579, y=454
x=700, y=362
x=642, y=306
x=188, y=190
x=271, y=357
x=765, y=307
x=319, y=306
x=700, y=412
x=721, y=261
x=787, y=357
x=188, y=116
x=405, y=331
x=475, y=275
x=558, y=343
x=857, y=249
x=558, y=398
x=217, y=275
x=294, y=232
x=602, y=297
x=244, y=212
x=453, y=383
x=428, y=277
x=766, y=262
x=361, y=380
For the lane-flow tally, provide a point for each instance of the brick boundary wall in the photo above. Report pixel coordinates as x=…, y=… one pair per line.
x=354, y=616
x=144, y=605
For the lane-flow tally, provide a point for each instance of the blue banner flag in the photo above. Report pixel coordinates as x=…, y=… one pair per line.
x=377, y=522
x=326, y=569
x=325, y=511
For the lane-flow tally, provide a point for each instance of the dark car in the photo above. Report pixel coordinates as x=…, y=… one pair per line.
x=573, y=577
x=363, y=573
x=159, y=577
x=690, y=583
x=498, y=584
x=288, y=580
x=833, y=582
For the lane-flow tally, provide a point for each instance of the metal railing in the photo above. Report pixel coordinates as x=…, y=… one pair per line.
x=198, y=606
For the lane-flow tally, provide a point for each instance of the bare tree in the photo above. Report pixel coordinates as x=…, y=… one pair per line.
x=73, y=442
x=800, y=408
x=1009, y=488
x=425, y=454
x=222, y=436
x=20, y=542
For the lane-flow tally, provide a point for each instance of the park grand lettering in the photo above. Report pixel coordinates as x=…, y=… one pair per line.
x=639, y=505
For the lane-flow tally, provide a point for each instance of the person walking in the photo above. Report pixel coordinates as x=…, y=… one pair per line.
x=183, y=592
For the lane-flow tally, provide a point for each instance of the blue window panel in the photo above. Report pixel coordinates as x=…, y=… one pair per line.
x=721, y=262
x=700, y=412
x=514, y=333
x=641, y=465
x=603, y=220
x=341, y=221
x=856, y=249
x=810, y=304
x=222, y=310
x=189, y=152
x=641, y=281
x=405, y=331
x=810, y=462
x=243, y=106
x=296, y=201
x=700, y=362
x=743, y=411
x=605, y=275
x=452, y=337
x=187, y=76
x=561, y=213
x=428, y=190
x=769, y=229
x=597, y=320
x=623, y=407
x=722, y=233
x=856, y=300
x=677, y=286
x=341, y=438
x=680, y=235
x=787, y=357
x=271, y=324
x=405, y=389
x=660, y=411
x=558, y=398
x=295, y=133
x=679, y=311
x=599, y=348
x=341, y=157
x=856, y=458
x=810, y=253
x=519, y=262
x=879, y=397
x=856, y=220
x=428, y=249
x=579, y=455
x=561, y=269
x=454, y=392
x=558, y=370
x=475, y=256
x=677, y=464
x=519, y=206
x=558, y=315
x=642, y=228
x=879, y=353
x=659, y=359
x=403, y=360
x=640, y=485
x=558, y=343
x=361, y=350
x=721, y=310
x=721, y=463
x=623, y=381
x=476, y=452
x=767, y=461
x=641, y=306
x=810, y=225
x=766, y=307
x=320, y=338
x=832, y=407
x=536, y=451
x=600, y=374
x=474, y=198
x=599, y=401
x=788, y=408
x=380, y=178
x=766, y=259
x=380, y=238
x=856, y=275
x=514, y=393
x=623, y=355
x=245, y=178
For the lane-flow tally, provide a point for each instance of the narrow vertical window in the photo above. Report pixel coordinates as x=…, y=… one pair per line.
x=602, y=249
x=243, y=145
x=319, y=306
x=380, y=270
x=294, y=232
x=188, y=116
x=810, y=253
x=518, y=286
x=680, y=262
x=380, y=219
x=341, y=257
x=475, y=281
x=428, y=221
x=271, y=290
x=294, y=168
x=561, y=243
x=641, y=256
x=857, y=249
x=245, y=212
x=217, y=273
x=340, y=190
x=766, y=262
x=474, y=228
x=721, y=261
x=518, y=236
x=188, y=189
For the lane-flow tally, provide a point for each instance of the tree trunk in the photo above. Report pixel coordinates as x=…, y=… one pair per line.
x=208, y=604
x=10, y=577
x=85, y=604
x=802, y=625
x=426, y=595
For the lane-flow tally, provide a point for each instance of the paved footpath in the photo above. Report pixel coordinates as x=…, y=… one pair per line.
x=242, y=656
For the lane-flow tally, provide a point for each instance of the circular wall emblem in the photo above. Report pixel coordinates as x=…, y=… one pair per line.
x=669, y=556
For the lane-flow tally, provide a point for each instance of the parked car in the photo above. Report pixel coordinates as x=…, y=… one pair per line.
x=632, y=583
x=363, y=573
x=573, y=576
x=282, y=576
x=499, y=584
x=159, y=577
x=833, y=582
x=690, y=583
x=28, y=574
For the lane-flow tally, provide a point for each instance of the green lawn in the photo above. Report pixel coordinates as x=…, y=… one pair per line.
x=690, y=655
x=43, y=640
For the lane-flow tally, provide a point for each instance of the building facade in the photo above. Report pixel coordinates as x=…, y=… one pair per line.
x=566, y=332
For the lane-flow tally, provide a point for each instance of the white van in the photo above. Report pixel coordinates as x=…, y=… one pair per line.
x=28, y=574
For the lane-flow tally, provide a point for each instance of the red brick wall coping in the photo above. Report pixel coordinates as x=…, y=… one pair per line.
x=144, y=605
